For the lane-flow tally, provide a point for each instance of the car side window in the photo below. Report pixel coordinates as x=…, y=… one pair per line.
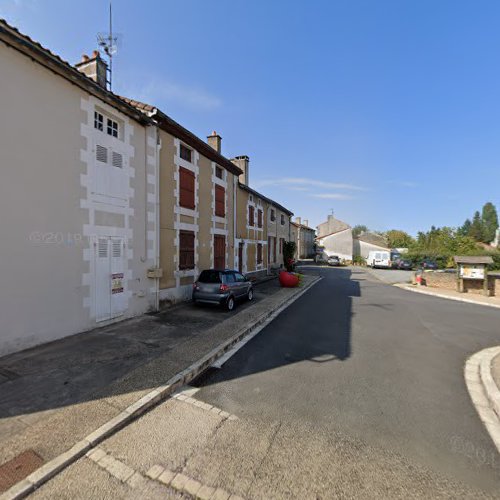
x=239, y=277
x=230, y=278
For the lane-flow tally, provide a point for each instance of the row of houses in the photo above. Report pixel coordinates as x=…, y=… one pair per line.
x=334, y=237
x=108, y=205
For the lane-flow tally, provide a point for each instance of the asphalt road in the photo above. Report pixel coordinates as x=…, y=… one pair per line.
x=355, y=391
x=363, y=360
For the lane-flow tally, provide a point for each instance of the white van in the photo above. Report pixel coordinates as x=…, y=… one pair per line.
x=379, y=258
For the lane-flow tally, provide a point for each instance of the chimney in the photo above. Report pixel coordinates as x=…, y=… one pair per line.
x=298, y=220
x=94, y=67
x=215, y=141
x=306, y=223
x=242, y=162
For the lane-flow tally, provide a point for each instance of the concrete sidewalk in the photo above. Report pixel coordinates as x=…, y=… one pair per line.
x=452, y=294
x=55, y=395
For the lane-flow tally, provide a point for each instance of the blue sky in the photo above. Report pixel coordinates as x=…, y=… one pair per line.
x=385, y=111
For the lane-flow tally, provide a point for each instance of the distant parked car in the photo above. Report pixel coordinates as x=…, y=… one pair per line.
x=222, y=287
x=428, y=264
x=333, y=260
x=405, y=264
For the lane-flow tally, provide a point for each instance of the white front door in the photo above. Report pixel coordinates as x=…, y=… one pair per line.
x=109, y=278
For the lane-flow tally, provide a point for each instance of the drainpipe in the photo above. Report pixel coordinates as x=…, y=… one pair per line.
x=235, y=188
x=157, y=218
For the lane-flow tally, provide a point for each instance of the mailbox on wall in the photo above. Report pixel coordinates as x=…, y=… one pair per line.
x=471, y=267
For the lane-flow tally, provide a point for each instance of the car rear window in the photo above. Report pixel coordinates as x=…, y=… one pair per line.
x=210, y=277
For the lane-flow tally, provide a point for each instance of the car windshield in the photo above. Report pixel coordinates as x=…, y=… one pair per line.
x=210, y=277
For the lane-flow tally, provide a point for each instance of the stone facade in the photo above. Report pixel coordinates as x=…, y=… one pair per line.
x=448, y=280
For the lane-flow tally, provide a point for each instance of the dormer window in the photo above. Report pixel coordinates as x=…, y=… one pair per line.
x=98, y=121
x=112, y=128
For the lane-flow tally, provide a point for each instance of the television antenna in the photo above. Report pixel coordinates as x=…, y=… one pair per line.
x=109, y=44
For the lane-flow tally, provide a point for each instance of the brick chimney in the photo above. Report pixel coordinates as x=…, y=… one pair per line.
x=242, y=162
x=94, y=67
x=215, y=141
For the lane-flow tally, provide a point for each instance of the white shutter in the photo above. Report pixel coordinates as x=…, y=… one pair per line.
x=118, y=295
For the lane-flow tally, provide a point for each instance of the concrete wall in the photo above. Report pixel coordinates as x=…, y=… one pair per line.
x=51, y=214
x=363, y=248
x=339, y=244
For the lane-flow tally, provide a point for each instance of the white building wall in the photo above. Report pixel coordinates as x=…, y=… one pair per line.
x=52, y=215
x=340, y=244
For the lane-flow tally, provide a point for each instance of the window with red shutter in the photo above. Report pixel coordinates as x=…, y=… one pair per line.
x=259, y=218
x=251, y=221
x=220, y=201
x=186, y=250
x=259, y=253
x=186, y=188
x=219, y=251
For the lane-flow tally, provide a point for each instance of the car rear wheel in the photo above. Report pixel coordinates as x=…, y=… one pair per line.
x=250, y=294
x=230, y=304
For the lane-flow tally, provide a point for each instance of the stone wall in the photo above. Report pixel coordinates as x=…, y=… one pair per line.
x=448, y=281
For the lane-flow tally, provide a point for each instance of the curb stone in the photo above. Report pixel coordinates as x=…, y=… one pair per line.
x=483, y=390
x=59, y=463
x=404, y=286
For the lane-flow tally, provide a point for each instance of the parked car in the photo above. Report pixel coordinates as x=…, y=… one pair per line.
x=405, y=264
x=222, y=287
x=428, y=264
x=333, y=260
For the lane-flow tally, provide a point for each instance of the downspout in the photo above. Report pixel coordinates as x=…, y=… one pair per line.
x=235, y=188
x=157, y=217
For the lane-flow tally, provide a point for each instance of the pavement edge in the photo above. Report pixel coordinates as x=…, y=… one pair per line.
x=404, y=286
x=483, y=390
x=23, y=488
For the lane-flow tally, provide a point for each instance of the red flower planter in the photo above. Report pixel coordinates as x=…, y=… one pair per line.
x=288, y=280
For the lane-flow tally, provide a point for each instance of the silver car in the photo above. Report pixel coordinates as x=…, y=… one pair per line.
x=222, y=287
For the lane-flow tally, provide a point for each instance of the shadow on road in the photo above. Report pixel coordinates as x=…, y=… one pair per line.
x=316, y=329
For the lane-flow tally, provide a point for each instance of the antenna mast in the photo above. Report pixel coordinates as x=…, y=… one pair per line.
x=109, y=44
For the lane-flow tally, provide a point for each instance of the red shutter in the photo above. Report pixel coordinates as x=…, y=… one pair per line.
x=186, y=250
x=259, y=218
x=259, y=253
x=251, y=220
x=220, y=201
x=186, y=188
x=219, y=251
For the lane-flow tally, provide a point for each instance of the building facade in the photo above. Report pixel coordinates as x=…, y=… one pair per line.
x=304, y=238
x=262, y=227
x=334, y=237
x=79, y=232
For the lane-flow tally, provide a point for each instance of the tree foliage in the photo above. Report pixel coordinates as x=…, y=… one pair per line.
x=398, y=239
x=489, y=220
x=359, y=229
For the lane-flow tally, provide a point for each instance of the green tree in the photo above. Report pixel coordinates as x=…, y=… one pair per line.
x=398, y=239
x=489, y=219
x=465, y=229
x=359, y=229
x=476, y=228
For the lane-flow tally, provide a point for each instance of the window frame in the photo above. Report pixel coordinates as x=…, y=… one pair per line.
x=259, y=253
x=251, y=215
x=272, y=215
x=185, y=173
x=183, y=148
x=186, y=250
x=220, y=204
x=259, y=218
x=282, y=219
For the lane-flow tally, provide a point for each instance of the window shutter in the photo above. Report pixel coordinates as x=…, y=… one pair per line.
x=101, y=153
x=117, y=159
x=186, y=250
x=259, y=218
x=220, y=205
x=186, y=188
x=251, y=215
